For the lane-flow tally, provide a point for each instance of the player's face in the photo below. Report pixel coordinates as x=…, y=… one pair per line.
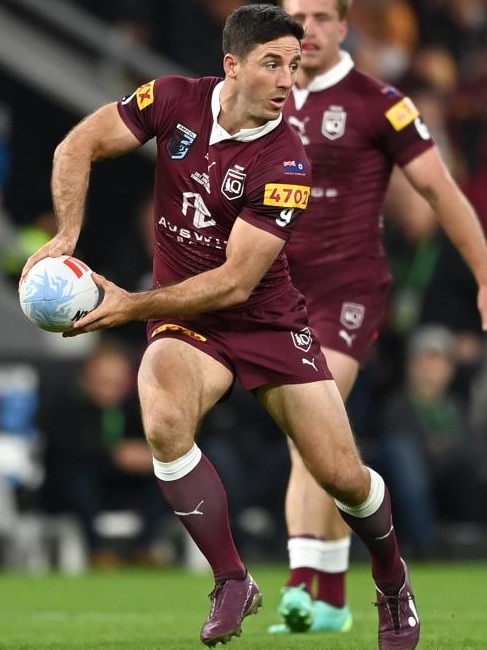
x=263, y=80
x=324, y=32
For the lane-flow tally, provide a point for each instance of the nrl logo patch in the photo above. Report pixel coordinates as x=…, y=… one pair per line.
x=333, y=125
x=303, y=339
x=352, y=315
x=180, y=142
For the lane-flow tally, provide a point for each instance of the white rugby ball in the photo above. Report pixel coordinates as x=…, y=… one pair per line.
x=57, y=292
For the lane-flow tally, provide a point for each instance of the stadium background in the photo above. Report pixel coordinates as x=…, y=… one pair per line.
x=60, y=59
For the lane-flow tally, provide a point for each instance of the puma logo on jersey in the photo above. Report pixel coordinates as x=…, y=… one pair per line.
x=348, y=338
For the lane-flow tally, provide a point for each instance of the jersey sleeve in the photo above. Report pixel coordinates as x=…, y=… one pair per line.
x=149, y=109
x=278, y=191
x=402, y=132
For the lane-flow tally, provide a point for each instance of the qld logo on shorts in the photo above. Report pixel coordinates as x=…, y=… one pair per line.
x=334, y=120
x=302, y=339
x=352, y=315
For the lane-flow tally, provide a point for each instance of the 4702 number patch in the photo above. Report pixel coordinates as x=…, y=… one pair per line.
x=286, y=196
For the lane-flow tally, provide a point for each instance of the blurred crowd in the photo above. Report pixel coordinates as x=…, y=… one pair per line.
x=420, y=406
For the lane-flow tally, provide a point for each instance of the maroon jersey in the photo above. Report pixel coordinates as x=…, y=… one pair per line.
x=354, y=129
x=205, y=179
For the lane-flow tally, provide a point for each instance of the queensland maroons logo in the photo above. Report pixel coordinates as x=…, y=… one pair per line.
x=334, y=120
x=302, y=339
x=352, y=315
x=234, y=183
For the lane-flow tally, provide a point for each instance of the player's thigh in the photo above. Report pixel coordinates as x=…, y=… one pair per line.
x=344, y=369
x=314, y=417
x=178, y=384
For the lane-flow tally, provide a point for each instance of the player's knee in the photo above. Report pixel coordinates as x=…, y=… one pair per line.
x=350, y=483
x=163, y=427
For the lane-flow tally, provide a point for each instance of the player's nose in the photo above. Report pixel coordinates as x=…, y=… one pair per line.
x=286, y=78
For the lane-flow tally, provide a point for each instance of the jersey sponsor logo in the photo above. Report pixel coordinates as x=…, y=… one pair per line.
x=202, y=179
x=294, y=167
x=145, y=95
x=180, y=142
x=282, y=195
x=352, y=315
x=333, y=125
x=190, y=236
x=302, y=339
x=402, y=114
x=234, y=183
x=202, y=216
x=174, y=327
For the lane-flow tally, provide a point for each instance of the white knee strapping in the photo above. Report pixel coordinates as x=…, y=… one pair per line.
x=372, y=503
x=179, y=467
x=322, y=555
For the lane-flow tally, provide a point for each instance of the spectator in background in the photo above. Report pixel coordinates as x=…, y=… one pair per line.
x=427, y=449
x=458, y=25
x=96, y=457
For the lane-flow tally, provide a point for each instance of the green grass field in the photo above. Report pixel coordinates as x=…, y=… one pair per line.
x=165, y=609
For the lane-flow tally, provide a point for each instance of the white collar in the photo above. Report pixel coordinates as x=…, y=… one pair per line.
x=218, y=133
x=331, y=77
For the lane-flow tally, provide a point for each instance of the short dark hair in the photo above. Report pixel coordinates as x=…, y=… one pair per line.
x=252, y=25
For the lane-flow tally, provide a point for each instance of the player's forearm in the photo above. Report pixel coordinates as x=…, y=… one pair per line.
x=209, y=291
x=69, y=187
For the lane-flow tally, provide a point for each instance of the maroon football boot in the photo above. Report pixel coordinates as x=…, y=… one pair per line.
x=231, y=602
x=398, y=618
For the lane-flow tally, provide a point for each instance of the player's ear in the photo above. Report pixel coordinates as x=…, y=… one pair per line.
x=343, y=30
x=230, y=65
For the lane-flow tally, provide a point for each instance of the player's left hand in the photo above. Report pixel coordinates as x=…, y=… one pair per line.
x=112, y=311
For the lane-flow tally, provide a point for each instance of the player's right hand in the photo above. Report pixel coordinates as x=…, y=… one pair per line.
x=53, y=248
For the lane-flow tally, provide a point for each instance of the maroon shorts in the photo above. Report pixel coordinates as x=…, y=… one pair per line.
x=346, y=309
x=268, y=344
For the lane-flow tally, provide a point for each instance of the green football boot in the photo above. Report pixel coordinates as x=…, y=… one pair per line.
x=325, y=618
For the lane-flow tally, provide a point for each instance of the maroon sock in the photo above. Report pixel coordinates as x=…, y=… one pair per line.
x=331, y=588
x=202, y=496
x=378, y=535
x=302, y=576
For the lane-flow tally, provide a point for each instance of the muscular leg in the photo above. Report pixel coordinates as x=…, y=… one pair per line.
x=319, y=538
x=313, y=414
x=178, y=384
